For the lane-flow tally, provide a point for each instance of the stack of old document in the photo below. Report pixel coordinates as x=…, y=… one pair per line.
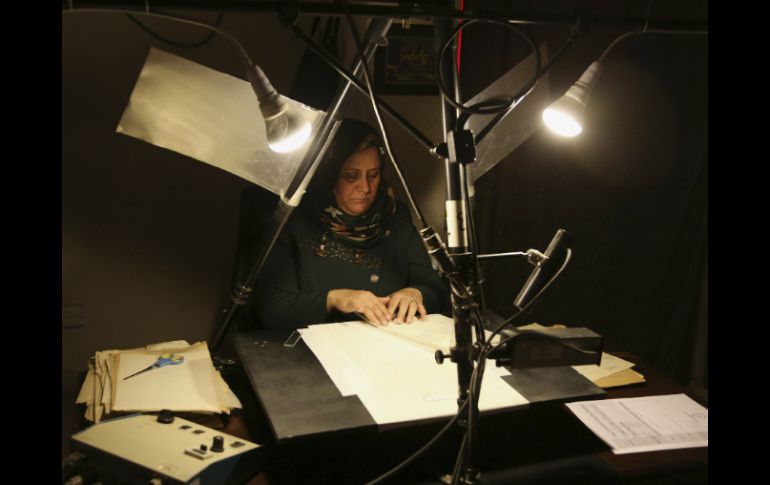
x=194, y=386
x=612, y=371
x=393, y=372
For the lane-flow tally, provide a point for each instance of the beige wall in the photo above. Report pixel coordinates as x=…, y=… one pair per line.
x=148, y=235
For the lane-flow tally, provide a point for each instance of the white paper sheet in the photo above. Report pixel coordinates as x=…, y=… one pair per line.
x=338, y=364
x=188, y=386
x=397, y=380
x=433, y=332
x=86, y=393
x=648, y=423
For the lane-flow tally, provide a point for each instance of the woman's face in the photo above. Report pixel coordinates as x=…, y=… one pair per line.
x=358, y=181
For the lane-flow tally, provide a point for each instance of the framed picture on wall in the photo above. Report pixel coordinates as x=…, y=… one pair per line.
x=405, y=65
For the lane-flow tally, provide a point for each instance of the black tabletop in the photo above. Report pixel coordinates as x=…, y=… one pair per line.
x=300, y=399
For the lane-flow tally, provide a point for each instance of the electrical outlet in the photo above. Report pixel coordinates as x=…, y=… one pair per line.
x=73, y=316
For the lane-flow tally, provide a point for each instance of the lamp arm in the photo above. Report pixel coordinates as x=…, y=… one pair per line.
x=551, y=60
x=290, y=199
x=392, y=10
x=645, y=30
x=175, y=18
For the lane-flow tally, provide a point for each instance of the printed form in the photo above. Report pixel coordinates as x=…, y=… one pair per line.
x=647, y=423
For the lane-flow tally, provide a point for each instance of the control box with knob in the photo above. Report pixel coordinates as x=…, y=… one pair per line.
x=142, y=447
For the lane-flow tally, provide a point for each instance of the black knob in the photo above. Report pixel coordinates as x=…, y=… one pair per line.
x=440, y=356
x=166, y=416
x=218, y=445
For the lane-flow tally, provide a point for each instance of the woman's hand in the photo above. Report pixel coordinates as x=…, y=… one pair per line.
x=364, y=303
x=406, y=302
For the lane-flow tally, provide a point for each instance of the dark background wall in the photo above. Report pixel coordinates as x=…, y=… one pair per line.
x=149, y=236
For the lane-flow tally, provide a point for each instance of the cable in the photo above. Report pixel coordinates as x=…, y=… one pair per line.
x=227, y=35
x=645, y=30
x=493, y=122
x=477, y=376
x=385, y=139
x=474, y=391
x=488, y=349
x=400, y=467
x=470, y=437
x=480, y=334
x=459, y=460
x=332, y=61
x=478, y=373
x=176, y=43
x=495, y=104
x=647, y=20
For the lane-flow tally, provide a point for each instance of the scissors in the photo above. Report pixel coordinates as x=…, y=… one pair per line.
x=163, y=360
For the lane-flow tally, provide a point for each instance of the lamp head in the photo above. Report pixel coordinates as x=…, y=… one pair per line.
x=565, y=116
x=286, y=130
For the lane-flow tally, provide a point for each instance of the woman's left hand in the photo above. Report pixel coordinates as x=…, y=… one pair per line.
x=404, y=304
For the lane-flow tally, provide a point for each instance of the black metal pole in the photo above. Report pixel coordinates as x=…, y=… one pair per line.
x=456, y=242
x=334, y=63
x=459, y=247
x=293, y=194
x=500, y=11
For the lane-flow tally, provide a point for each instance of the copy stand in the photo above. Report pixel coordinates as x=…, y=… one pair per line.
x=457, y=261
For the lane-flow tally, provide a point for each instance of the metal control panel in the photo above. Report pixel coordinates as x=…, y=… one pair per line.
x=139, y=448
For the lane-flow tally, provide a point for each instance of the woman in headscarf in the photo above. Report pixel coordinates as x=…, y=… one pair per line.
x=349, y=251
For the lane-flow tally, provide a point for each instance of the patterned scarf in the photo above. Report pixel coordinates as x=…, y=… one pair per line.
x=363, y=231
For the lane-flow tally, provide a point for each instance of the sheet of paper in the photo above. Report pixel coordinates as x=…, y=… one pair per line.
x=226, y=397
x=397, y=380
x=342, y=370
x=609, y=365
x=98, y=412
x=172, y=345
x=86, y=393
x=109, y=380
x=433, y=332
x=104, y=391
x=622, y=378
x=650, y=423
x=186, y=387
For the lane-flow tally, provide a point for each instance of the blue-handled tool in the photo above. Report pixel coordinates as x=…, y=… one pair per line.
x=163, y=360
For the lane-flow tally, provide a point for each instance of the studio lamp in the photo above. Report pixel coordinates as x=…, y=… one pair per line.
x=286, y=129
x=565, y=116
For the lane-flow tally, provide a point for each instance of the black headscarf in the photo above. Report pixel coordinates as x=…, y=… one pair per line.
x=320, y=205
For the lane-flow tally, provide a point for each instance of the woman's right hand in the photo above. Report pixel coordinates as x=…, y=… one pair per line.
x=365, y=303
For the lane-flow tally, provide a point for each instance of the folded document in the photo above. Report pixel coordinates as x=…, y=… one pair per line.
x=194, y=386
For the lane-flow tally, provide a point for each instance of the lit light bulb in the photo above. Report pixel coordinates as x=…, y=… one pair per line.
x=286, y=130
x=565, y=115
